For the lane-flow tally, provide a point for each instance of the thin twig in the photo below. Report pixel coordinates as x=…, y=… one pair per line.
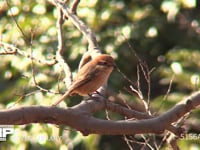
x=147, y=142
x=172, y=140
x=33, y=71
x=9, y=49
x=146, y=72
x=167, y=94
x=59, y=24
x=138, y=83
x=21, y=97
x=127, y=142
x=74, y=6
x=107, y=114
x=18, y=26
x=59, y=53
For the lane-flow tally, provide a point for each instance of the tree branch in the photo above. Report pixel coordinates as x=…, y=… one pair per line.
x=79, y=117
x=60, y=50
x=9, y=49
x=80, y=25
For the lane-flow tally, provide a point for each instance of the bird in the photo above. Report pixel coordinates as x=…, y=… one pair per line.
x=90, y=77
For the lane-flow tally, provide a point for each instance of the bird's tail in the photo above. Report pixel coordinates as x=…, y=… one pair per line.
x=61, y=98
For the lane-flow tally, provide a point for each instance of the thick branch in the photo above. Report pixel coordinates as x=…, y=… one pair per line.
x=79, y=117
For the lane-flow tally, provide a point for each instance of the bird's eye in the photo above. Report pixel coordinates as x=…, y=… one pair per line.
x=104, y=63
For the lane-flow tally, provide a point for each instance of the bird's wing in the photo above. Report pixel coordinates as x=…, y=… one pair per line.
x=84, y=77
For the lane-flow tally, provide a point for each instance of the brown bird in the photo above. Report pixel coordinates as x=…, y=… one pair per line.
x=90, y=77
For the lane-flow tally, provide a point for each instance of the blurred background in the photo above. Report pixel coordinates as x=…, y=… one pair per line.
x=165, y=34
